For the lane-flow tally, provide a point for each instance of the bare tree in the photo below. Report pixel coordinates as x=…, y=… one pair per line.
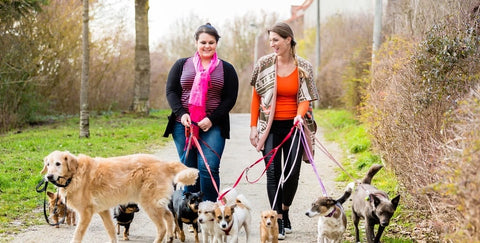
x=142, y=59
x=84, y=114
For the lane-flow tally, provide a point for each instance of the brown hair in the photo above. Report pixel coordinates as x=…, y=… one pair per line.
x=208, y=29
x=284, y=30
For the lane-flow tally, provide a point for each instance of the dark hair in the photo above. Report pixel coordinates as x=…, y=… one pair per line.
x=284, y=30
x=208, y=29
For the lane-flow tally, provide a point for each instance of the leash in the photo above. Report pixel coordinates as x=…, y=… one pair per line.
x=330, y=156
x=303, y=137
x=283, y=179
x=44, y=189
x=190, y=138
x=245, y=171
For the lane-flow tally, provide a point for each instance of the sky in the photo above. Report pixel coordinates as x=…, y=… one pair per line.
x=163, y=13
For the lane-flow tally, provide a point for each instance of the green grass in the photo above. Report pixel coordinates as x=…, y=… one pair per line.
x=22, y=153
x=342, y=127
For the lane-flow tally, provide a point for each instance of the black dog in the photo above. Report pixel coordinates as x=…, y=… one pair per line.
x=373, y=205
x=184, y=207
x=124, y=214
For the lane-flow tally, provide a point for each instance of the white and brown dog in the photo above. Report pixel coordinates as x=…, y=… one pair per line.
x=206, y=220
x=269, y=226
x=230, y=218
x=333, y=221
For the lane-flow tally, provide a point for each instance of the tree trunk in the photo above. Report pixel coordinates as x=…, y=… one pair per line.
x=377, y=28
x=141, y=88
x=84, y=113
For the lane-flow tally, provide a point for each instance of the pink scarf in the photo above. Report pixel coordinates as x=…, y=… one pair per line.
x=198, y=94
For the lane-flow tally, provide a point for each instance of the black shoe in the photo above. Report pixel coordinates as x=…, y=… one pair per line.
x=281, y=229
x=286, y=222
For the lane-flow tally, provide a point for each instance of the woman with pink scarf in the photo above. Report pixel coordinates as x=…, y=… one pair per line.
x=201, y=90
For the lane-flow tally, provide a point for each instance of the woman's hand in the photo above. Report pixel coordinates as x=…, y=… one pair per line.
x=298, y=119
x=253, y=136
x=205, y=124
x=186, y=120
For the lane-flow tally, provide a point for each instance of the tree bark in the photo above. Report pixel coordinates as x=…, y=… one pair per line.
x=141, y=88
x=377, y=28
x=84, y=113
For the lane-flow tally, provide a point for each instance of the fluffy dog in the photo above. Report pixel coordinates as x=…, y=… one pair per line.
x=94, y=185
x=229, y=219
x=373, y=205
x=184, y=206
x=268, y=226
x=58, y=210
x=124, y=214
x=332, y=221
x=206, y=219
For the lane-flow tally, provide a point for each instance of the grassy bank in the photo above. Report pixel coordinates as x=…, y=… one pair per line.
x=22, y=153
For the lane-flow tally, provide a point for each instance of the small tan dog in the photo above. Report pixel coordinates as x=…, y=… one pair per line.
x=268, y=226
x=57, y=208
x=95, y=185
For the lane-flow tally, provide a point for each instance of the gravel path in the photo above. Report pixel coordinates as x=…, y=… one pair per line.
x=238, y=155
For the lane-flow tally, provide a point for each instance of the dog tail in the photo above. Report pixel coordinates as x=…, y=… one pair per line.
x=243, y=200
x=371, y=172
x=230, y=195
x=348, y=192
x=184, y=176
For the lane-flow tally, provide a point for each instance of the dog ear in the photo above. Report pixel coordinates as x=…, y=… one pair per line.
x=374, y=200
x=44, y=170
x=71, y=161
x=187, y=194
x=395, y=201
x=331, y=201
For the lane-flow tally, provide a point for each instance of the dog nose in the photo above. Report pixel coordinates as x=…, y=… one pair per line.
x=50, y=177
x=200, y=220
x=384, y=223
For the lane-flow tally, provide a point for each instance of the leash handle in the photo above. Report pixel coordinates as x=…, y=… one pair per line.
x=44, y=189
x=42, y=182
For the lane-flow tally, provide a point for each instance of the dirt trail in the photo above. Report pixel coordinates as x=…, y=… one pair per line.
x=238, y=155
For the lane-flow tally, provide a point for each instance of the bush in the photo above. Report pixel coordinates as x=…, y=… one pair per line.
x=414, y=92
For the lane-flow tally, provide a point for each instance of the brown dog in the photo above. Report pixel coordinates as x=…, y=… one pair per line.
x=58, y=210
x=94, y=185
x=268, y=226
x=373, y=205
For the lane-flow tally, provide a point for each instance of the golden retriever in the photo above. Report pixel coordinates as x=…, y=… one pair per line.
x=94, y=185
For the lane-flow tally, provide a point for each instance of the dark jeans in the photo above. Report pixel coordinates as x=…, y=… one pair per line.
x=216, y=142
x=285, y=195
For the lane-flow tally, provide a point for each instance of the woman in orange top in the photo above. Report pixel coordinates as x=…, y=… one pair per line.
x=283, y=87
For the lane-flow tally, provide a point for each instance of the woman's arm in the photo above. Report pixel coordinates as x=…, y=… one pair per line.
x=174, y=88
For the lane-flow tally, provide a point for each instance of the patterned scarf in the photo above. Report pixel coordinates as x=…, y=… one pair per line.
x=198, y=94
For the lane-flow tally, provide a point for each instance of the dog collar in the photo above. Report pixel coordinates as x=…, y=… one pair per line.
x=227, y=230
x=331, y=213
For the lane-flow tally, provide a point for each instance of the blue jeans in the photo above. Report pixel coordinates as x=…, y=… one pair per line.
x=215, y=142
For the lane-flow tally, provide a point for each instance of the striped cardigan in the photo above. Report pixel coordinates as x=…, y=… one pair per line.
x=264, y=81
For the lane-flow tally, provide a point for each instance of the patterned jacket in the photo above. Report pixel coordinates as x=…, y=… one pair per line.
x=264, y=81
